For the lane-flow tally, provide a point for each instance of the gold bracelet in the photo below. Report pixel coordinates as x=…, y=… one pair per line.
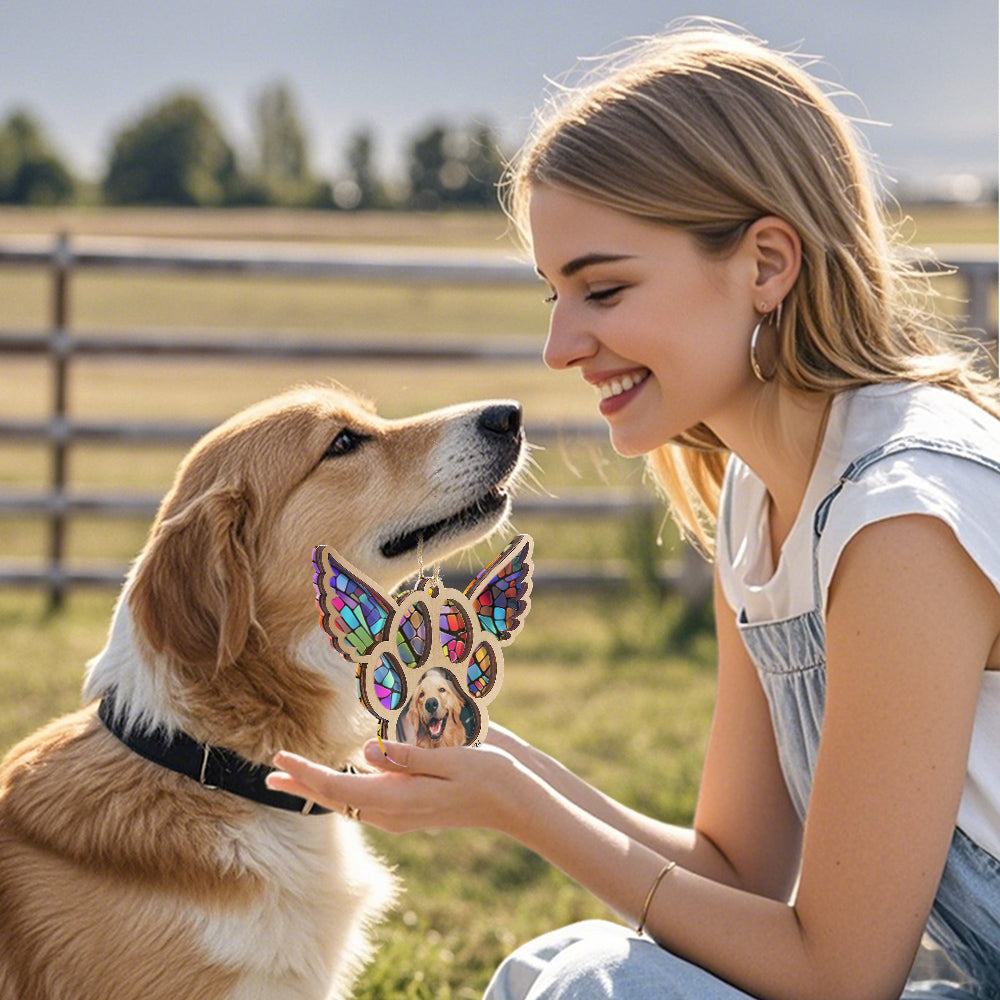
x=668, y=867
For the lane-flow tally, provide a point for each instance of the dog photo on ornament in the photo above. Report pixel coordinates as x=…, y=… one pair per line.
x=438, y=714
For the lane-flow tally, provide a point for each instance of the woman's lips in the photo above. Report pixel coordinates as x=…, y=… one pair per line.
x=618, y=389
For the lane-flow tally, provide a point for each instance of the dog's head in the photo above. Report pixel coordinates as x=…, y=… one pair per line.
x=442, y=714
x=230, y=549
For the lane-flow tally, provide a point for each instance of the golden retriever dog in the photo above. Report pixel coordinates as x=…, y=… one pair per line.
x=141, y=855
x=436, y=714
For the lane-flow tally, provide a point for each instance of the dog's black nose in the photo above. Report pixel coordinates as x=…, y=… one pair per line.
x=502, y=419
x=431, y=705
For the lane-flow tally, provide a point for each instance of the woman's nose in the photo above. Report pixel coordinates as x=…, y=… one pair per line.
x=568, y=342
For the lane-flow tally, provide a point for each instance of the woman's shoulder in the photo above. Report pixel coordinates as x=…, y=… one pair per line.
x=910, y=447
x=917, y=450
x=892, y=448
x=894, y=416
x=914, y=415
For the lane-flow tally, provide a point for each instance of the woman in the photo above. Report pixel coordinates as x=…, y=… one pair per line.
x=721, y=275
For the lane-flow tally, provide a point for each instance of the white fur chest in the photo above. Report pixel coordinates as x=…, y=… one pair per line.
x=304, y=936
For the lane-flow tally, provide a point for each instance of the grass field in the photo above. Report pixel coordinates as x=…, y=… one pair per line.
x=605, y=685
x=617, y=685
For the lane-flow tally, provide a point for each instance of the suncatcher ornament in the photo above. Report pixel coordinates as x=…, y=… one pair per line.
x=429, y=662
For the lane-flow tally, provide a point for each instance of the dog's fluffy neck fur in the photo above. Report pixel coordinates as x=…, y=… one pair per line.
x=162, y=694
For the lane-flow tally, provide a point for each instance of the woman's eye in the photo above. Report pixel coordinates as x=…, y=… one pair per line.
x=603, y=294
x=344, y=443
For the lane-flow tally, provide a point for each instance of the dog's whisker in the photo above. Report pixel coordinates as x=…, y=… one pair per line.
x=534, y=486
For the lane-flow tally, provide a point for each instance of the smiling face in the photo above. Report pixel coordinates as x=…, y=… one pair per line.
x=437, y=707
x=660, y=329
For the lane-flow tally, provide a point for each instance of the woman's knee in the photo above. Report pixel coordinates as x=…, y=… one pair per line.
x=516, y=976
x=596, y=960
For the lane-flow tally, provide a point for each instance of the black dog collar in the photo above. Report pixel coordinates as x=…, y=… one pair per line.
x=211, y=767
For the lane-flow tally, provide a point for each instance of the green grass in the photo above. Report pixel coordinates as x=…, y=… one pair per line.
x=602, y=682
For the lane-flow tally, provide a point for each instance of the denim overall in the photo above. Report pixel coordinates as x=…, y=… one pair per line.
x=790, y=656
x=598, y=960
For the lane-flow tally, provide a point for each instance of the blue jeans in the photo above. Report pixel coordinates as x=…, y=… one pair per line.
x=597, y=960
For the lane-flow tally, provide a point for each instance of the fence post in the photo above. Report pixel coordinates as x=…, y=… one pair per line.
x=979, y=280
x=59, y=348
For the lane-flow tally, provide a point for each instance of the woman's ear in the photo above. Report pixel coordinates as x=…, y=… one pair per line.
x=777, y=254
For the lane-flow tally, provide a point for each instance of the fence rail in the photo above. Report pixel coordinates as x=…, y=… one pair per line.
x=976, y=266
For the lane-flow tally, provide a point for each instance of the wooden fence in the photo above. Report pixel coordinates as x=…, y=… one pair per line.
x=60, y=430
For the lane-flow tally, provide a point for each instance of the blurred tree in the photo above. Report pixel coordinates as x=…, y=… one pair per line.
x=485, y=163
x=426, y=164
x=174, y=154
x=30, y=171
x=283, y=173
x=361, y=187
x=449, y=166
x=281, y=139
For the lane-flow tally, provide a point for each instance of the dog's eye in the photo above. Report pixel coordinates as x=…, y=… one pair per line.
x=344, y=443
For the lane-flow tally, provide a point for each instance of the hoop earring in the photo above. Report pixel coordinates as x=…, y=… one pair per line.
x=754, y=337
x=754, y=364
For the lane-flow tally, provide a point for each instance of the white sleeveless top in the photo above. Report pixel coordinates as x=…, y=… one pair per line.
x=965, y=494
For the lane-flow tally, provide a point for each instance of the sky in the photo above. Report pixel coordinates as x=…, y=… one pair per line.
x=925, y=68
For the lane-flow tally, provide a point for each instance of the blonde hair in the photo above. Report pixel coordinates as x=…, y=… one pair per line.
x=707, y=130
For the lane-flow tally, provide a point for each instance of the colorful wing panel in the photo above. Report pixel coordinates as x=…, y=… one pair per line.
x=500, y=592
x=353, y=613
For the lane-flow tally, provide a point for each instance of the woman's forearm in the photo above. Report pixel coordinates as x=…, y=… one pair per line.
x=746, y=939
x=687, y=847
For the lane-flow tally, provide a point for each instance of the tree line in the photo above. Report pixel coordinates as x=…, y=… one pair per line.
x=175, y=152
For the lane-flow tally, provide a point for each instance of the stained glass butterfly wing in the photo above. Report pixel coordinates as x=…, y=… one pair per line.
x=500, y=592
x=353, y=613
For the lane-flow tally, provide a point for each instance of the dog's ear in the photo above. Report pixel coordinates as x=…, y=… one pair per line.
x=402, y=723
x=464, y=711
x=193, y=594
x=470, y=720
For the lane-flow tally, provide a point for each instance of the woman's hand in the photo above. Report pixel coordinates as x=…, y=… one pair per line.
x=503, y=739
x=411, y=789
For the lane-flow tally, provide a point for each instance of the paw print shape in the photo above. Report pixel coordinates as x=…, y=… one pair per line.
x=429, y=663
